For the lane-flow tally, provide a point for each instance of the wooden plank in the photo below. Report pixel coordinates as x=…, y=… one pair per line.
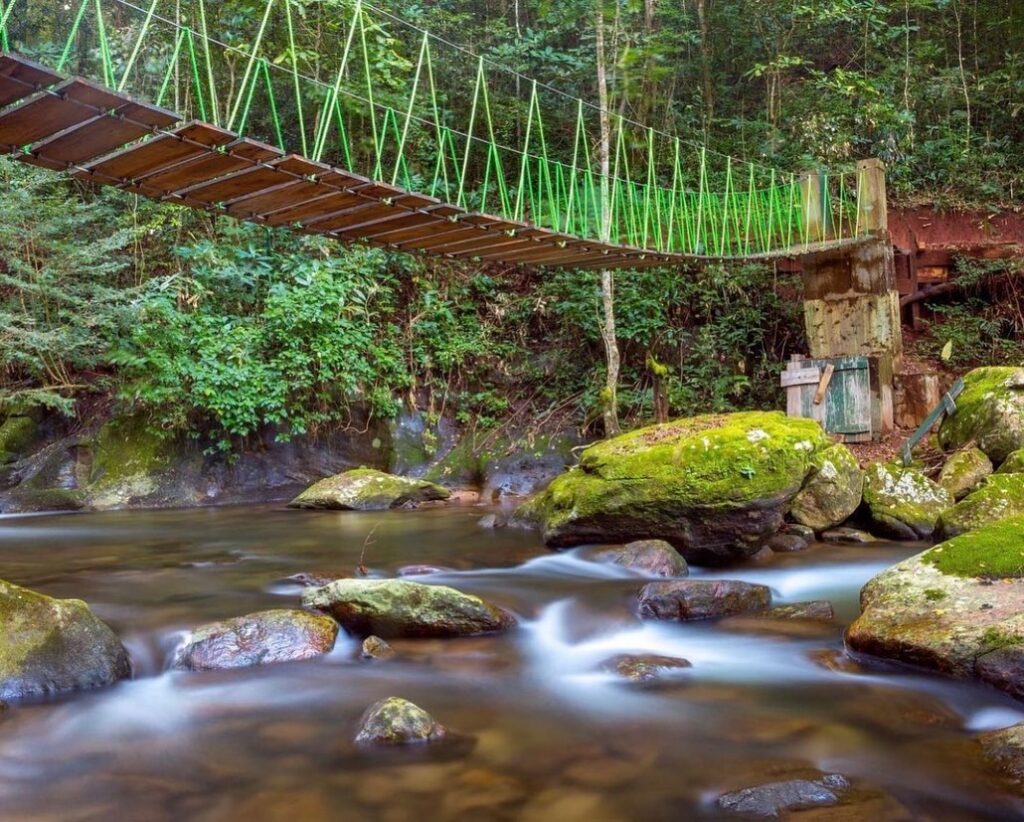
x=802, y=376
x=165, y=150
x=20, y=78
x=353, y=216
x=289, y=194
x=237, y=155
x=242, y=183
x=367, y=231
x=49, y=112
x=318, y=207
x=442, y=238
x=826, y=378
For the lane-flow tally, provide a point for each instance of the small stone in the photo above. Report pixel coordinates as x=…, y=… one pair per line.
x=643, y=667
x=816, y=609
x=701, y=599
x=396, y=721
x=847, y=536
x=421, y=570
x=776, y=798
x=376, y=648
x=647, y=556
x=1003, y=749
x=787, y=544
x=315, y=579
x=798, y=530
x=492, y=521
x=837, y=661
x=1003, y=668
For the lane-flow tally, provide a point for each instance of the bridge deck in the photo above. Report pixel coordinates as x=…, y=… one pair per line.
x=93, y=133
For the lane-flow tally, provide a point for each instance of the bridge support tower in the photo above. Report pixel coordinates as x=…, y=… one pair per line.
x=851, y=301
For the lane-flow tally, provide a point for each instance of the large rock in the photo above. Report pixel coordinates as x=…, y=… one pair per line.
x=833, y=491
x=701, y=599
x=654, y=557
x=1013, y=464
x=398, y=608
x=1003, y=749
x=52, y=645
x=903, y=502
x=365, y=489
x=396, y=721
x=952, y=607
x=715, y=486
x=778, y=798
x=964, y=471
x=281, y=635
x=999, y=497
x=990, y=412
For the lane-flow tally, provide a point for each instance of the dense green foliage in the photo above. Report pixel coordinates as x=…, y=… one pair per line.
x=222, y=330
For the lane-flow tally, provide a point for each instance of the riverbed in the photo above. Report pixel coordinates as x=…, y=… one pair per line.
x=543, y=732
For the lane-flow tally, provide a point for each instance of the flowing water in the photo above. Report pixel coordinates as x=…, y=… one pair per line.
x=548, y=734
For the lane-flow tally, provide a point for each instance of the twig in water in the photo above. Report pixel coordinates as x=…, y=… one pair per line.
x=361, y=569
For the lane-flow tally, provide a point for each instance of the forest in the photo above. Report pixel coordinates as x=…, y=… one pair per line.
x=219, y=330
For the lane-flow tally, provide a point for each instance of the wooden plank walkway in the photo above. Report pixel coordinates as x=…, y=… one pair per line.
x=88, y=131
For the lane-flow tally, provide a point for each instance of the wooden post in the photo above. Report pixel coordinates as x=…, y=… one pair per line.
x=872, y=211
x=810, y=190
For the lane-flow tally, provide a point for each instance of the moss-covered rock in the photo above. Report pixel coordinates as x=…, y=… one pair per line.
x=128, y=456
x=1013, y=464
x=281, y=635
x=990, y=412
x=1001, y=496
x=964, y=471
x=715, y=486
x=51, y=645
x=833, y=491
x=941, y=610
x=396, y=721
x=365, y=489
x=903, y=502
x=17, y=433
x=398, y=608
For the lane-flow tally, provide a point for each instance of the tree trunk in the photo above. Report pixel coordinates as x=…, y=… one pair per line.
x=706, y=57
x=609, y=396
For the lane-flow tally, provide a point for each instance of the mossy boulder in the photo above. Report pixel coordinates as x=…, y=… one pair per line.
x=397, y=721
x=990, y=412
x=716, y=486
x=952, y=606
x=398, y=608
x=280, y=635
x=1001, y=496
x=964, y=471
x=52, y=645
x=128, y=457
x=832, y=493
x=17, y=433
x=1013, y=464
x=902, y=501
x=365, y=489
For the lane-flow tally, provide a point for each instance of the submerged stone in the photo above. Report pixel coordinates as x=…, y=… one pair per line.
x=365, y=489
x=964, y=471
x=797, y=530
x=903, y=502
x=281, y=635
x=816, y=609
x=398, y=608
x=955, y=608
x=833, y=491
x=777, y=798
x=715, y=486
x=847, y=536
x=52, y=645
x=643, y=667
x=396, y=721
x=1003, y=750
x=692, y=599
x=648, y=556
x=999, y=497
x=990, y=412
x=376, y=648
x=787, y=544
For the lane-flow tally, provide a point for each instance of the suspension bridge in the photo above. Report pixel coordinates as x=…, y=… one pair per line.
x=344, y=120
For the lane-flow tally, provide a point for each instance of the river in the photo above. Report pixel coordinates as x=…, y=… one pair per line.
x=544, y=732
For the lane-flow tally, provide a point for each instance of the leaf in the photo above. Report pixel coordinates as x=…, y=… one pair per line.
x=947, y=351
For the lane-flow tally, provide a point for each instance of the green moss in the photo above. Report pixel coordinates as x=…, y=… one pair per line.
x=1013, y=464
x=461, y=465
x=897, y=495
x=126, y=448
x=728, y=458
x=17, y=434
x=990, y=412
x=366, y=489
x=994, y=552
x=934, y=594
x=1001, y=496
x=964, y=471
x=832, y=493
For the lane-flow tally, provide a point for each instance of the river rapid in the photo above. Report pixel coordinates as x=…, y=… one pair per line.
x=544, y=732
